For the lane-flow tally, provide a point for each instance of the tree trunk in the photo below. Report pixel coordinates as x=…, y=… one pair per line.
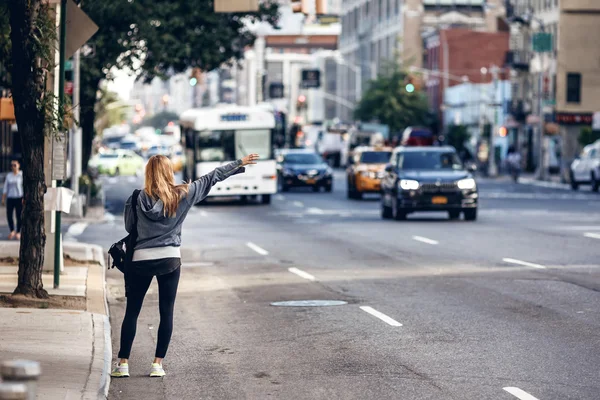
x=88, y=117
x=28, y=88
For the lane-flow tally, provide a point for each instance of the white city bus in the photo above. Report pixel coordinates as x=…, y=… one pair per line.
x=215, y=136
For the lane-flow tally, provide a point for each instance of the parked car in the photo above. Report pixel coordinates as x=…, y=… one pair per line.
x=428, y=179
x=303, y=168
x=585, y=169
x=417, y=136
x=158, y=150
x=367, y=167
x=119, y=162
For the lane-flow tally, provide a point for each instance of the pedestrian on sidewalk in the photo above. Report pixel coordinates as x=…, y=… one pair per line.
x=160, y=210
x=12, y=197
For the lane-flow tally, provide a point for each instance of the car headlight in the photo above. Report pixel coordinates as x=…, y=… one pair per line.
x=408, y=184
x=466, y=184
x=288, y=172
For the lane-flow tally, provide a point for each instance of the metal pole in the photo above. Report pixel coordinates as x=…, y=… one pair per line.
x=492, y=170
x=76, y=133
x=541, y=168
x=358, y=88
x=61, y=102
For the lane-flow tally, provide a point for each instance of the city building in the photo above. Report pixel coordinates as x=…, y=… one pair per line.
x=456, y=56
x=174, y=94
x=556, y=85
x=375, y=32
x=301, y=43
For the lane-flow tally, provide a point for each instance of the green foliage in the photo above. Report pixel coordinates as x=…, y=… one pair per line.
x=588, y=136
x=458, y=135
x=154, y=38
x=388, y=102
x=5, y=47
x=109, y=110
x=160, y=120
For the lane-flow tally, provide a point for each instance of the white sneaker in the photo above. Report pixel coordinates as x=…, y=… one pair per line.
x=120, y=371
x=157, y=371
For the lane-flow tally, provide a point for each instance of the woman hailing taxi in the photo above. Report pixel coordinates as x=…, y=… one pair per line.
x=160, y=210
x=12, y=196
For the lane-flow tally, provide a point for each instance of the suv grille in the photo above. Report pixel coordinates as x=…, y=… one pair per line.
x=439, y=187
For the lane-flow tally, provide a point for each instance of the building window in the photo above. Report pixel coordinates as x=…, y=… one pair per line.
x=573, y=87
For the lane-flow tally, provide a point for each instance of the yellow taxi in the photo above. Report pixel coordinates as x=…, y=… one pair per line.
x=365, y=170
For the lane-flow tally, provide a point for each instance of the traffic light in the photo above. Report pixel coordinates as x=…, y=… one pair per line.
x=413, y=83
x=195, y=76
x=301, y=103
x=300, y=6
x=502, y=131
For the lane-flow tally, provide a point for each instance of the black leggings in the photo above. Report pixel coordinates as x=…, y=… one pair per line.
x=137, y=287
x=13, y=205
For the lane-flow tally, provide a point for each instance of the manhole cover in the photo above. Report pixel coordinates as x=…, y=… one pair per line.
x=309, y=303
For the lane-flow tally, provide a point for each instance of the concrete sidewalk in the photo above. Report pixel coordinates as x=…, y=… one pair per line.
x=552, y=182
x=73, y=346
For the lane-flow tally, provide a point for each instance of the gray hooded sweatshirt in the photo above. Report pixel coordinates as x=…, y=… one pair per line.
x=159, y=235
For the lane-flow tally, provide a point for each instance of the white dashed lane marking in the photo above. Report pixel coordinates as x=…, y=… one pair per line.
x=519, y=393
x=592, y=235
x=257, y=249
x=302, y=274
x=523, y=263
x=425, y=240
x=298, y=204
x=381, y=316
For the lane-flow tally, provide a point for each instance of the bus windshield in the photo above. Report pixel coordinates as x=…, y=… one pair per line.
x=230, y=145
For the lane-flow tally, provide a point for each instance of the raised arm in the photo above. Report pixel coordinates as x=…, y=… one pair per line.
x=200, y=188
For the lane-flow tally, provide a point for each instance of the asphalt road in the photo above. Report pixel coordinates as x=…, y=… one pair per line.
x=502, y=308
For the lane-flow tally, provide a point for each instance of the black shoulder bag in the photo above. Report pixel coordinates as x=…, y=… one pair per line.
x=122, y=251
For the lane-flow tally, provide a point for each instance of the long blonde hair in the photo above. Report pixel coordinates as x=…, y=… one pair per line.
x=160, y=184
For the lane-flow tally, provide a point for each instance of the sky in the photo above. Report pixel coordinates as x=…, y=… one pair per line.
x=122, y=84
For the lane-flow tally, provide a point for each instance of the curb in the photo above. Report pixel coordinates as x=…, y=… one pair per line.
x=544, y=184
x=102, y=341
x=98, y=253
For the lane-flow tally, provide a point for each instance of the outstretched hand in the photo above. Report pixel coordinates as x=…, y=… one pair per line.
x=250, y=159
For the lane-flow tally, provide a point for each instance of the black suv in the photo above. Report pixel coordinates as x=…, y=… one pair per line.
x=305, y=168
x=428, y=179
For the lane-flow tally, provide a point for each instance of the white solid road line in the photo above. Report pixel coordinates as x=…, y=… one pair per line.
x=279, y=197
x=381, y=316
x=257, y=249
x=302, y=274
x=523, y=263
x=77, y=228
x=315, y=211
x=519, y=394
x=298, y=204
x=425, y=240
x=203, y=213
x=592, y=235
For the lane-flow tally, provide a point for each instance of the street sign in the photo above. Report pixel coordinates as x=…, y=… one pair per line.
x=276, y=90
x=596, y=121
x=59, y=157
x=80, y=28
x=230, y=6
x=542, y=42
x=69, y=88
x=311, y=79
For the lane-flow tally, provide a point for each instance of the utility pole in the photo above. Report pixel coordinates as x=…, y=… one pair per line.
x=76, y=135
x=61, y=101
x=492, y=168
